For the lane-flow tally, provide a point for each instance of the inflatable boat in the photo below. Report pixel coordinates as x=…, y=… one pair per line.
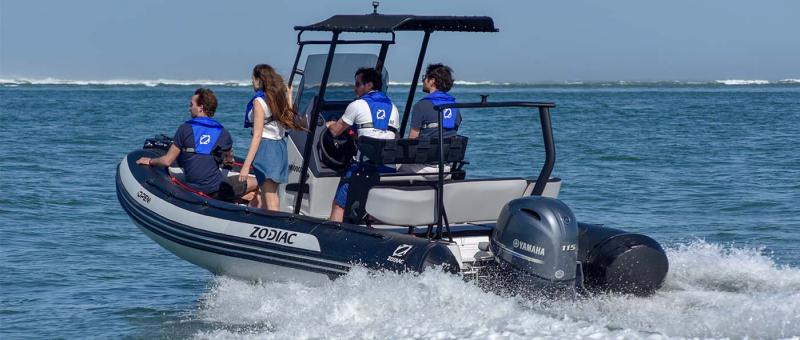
x=490, y=230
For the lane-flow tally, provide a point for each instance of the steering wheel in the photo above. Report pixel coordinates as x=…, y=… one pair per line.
x=336, y=152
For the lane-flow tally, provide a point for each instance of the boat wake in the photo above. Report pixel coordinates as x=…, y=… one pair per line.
x=711, y=291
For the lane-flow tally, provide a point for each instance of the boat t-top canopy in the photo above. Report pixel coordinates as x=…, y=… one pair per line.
x=383, y=23
x=374, y=23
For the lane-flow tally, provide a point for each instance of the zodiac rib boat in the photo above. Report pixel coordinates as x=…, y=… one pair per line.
x=497, y=229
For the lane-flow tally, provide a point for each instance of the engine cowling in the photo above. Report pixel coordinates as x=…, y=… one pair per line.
x=537, y=238
x=618, y=261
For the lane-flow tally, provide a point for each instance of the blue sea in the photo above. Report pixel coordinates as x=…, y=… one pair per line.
x=710, y=170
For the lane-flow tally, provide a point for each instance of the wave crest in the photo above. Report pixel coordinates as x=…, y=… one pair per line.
x=123, y=82
x=742, y=82
x=13, y=82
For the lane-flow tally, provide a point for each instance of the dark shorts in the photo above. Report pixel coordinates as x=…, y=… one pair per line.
x=342, y=190
x=340, y=198
x=230, y=190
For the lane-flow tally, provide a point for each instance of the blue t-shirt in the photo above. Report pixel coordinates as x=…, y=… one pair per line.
x=201, y=171
x=423, y=113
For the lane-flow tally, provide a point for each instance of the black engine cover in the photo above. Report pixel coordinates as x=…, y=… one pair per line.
x=538, y=236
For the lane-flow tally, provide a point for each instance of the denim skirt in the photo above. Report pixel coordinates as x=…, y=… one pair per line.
x=271, y=161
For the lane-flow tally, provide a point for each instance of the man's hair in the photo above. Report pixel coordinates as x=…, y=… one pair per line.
x=371, y=75
x=207, y=99
x=442, y=76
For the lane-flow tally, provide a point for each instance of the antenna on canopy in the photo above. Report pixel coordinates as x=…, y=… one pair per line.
x=375, y=5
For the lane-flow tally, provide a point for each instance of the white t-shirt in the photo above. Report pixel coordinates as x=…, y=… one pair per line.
x=358, y=112
x=273, y=130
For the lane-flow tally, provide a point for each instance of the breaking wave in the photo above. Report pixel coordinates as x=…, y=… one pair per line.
x=711, y=291
x=123, y=82
x=742, y=82
x=461, y=82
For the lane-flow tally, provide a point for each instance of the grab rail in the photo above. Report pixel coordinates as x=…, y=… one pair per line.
x=547, y=135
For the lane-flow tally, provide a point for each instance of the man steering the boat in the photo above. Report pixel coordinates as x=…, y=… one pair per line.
x=373, y=115
x=437, y=82
x=200, y=145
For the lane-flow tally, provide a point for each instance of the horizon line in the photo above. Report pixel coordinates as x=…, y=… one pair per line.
x=6, y=81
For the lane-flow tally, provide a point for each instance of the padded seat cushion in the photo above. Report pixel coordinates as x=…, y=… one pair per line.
x=465, y=201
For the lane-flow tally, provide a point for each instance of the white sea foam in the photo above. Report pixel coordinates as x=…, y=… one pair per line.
x=710, y=292
x=742, y=82
x=457, y=82
x=11, y=82
x=123, y=82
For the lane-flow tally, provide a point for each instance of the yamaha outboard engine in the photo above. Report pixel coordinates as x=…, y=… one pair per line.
x=536, y=241
x=618, y=261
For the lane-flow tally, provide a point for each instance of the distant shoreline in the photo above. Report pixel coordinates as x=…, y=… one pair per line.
x=17, y=81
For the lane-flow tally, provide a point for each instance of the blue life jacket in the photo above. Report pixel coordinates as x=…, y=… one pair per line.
x=206, y=133
x=259, y=94
x=449, y=115
x=381, y=108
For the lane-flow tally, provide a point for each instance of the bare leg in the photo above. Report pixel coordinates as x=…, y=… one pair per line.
x=252, y=194
x=252, y=184
x=337, y=213
x=269, y=195
x=256, y=202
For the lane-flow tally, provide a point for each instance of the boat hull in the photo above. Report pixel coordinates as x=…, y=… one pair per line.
x=248, y=243
x=251, y=244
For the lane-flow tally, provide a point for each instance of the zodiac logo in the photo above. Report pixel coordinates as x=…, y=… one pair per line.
x=447, y=113
x=205, y=139
x=402, y=250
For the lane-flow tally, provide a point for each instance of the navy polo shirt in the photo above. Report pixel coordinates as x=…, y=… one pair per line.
x=423, y=113
x=201, y=171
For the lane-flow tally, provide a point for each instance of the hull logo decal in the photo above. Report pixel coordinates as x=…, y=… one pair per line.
x=399, y=253
x=275, y=235
x=144, y=197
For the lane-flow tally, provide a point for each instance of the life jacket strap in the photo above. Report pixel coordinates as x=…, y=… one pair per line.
x=217, y=154
x=372, y=126
x=433, y=126
x=192, y=150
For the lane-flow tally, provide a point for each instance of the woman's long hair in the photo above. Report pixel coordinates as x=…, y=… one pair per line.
x=277, y=99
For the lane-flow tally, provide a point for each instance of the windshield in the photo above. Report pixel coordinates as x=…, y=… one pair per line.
x=341, y=79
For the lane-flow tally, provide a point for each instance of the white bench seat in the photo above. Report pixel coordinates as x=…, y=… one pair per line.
x=464, y=201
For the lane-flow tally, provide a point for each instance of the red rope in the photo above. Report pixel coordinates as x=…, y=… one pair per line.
x=187, y=188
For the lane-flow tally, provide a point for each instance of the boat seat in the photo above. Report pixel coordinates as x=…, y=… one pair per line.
x=412, y=151
x=376, y=152
x=464, y=201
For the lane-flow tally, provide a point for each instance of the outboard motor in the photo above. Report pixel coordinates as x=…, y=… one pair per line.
x=536, y=240
x=622, y=262
x=158, y=142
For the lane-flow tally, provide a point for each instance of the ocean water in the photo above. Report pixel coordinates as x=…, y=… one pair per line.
x=709, y=170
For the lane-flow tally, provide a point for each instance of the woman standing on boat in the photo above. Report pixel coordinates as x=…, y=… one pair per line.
x=269, y=113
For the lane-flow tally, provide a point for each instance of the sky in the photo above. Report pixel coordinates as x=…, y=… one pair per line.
x=539, y=41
